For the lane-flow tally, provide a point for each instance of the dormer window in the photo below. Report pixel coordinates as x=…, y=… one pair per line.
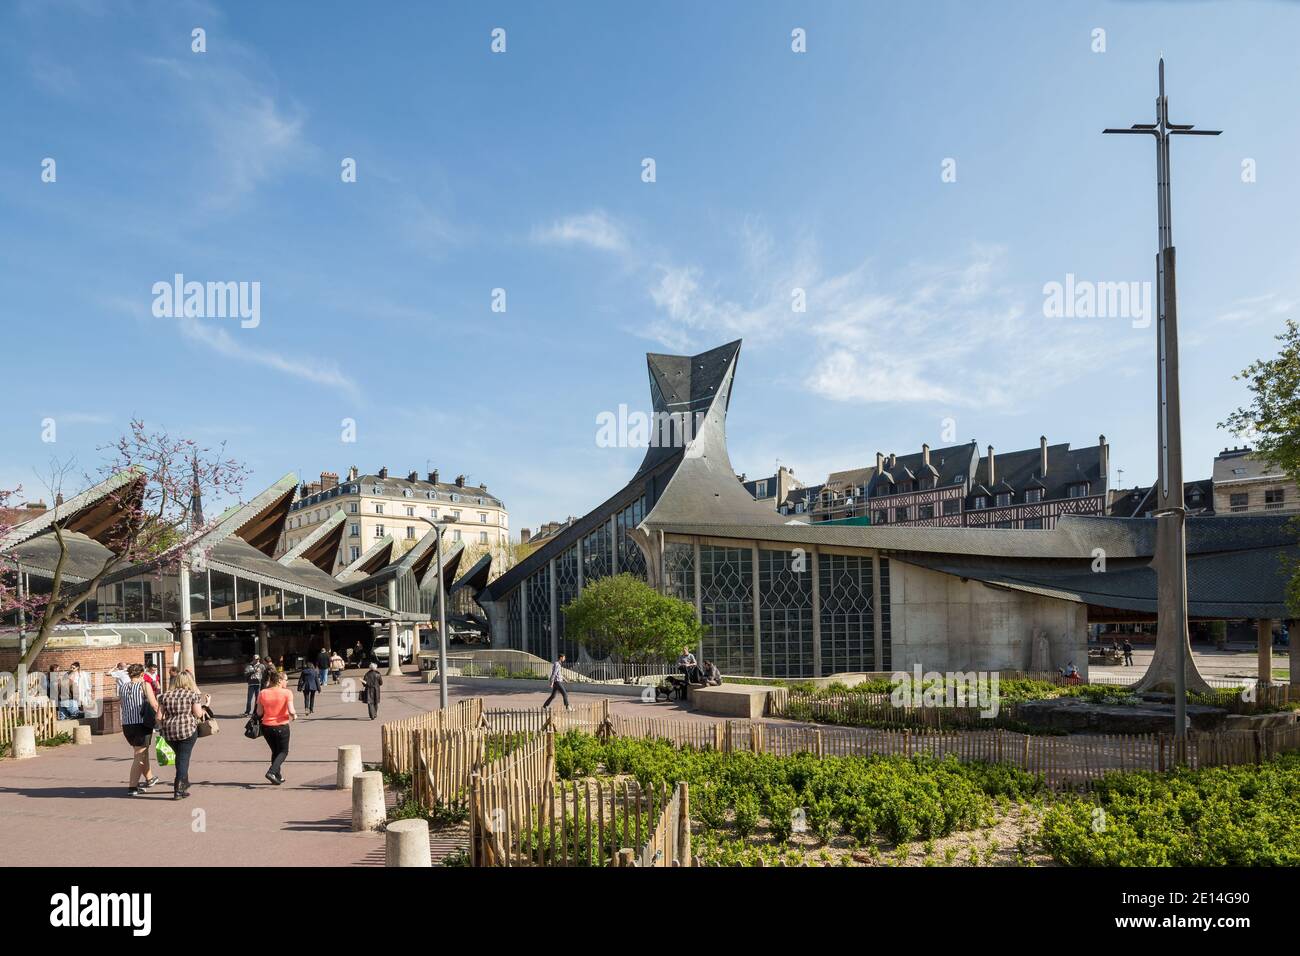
x=981, y=502
x=1033, y=495
x=1004, y=499
x=1079, y=491
x=406, y=492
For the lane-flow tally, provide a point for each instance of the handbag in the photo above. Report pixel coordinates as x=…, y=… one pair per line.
x=253, y=728
x=148, y=716
x=208, y=725
x=163, y=751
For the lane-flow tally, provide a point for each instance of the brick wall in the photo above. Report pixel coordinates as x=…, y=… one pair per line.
x=94, y=660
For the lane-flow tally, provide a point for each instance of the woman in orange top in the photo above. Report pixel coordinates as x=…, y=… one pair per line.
x=275, y=710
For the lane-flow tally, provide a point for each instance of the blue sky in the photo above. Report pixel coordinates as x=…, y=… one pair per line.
x=522, y=171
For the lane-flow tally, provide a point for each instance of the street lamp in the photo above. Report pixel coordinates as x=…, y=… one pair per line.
x=442, y=607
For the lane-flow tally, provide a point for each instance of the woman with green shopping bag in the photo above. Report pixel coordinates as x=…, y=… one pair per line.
x=182, y=709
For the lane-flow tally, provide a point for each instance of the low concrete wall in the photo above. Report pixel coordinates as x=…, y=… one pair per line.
x=543, y=687
x=742, y=701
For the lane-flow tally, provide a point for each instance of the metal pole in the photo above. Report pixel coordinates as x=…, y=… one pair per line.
x=442, y=622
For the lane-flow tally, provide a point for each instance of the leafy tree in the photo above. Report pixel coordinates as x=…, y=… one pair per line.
x=1272, y=420
x=625, y=616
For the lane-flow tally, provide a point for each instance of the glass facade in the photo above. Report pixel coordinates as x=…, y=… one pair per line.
x=514, y=621
x=887, y=657
x=566, y=589
x=630, y=558
x=785, y=613
x=847, y=617
x=679, y=570
x=727, y=608
x=539, y=613
x=596, y=557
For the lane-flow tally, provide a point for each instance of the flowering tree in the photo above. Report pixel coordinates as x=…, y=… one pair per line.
x=146, y=514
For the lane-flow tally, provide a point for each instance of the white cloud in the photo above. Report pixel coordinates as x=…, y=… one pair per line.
x=595, y=229
x=223, y=343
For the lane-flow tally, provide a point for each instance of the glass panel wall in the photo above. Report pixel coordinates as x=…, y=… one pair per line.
x=223, y=596
x=271, y=602
x=246, y=593
x=539, y=613
x=596, y=555
x=679, y=570
x=727, y=608
x=294, y=604
x=785, y=613
x=847, y=618
x=630, y=558
x=566, y=589
x=199, y=595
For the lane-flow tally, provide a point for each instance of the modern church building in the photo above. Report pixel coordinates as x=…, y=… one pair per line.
x=782, y=597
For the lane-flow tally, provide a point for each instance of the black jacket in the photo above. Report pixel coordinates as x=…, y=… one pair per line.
x=373, y=681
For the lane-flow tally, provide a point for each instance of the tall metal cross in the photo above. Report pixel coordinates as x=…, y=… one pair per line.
x=1170, y=663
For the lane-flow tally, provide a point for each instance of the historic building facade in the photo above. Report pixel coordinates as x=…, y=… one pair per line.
x=957, y=487
x=379, y=506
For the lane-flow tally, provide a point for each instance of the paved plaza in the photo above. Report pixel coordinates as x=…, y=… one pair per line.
x=69, y=806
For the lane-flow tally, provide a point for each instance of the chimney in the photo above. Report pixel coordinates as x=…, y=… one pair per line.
x=413, y=476
x=433, y=476
x=460, y=481
x=524, y=535
x=1105, y=461
x=328, y=480
x=880, y=463
x=993, y=474
x=893, y=461
x=383, y=472
x=1042, y=456
x=925, y=455
x=352, y=473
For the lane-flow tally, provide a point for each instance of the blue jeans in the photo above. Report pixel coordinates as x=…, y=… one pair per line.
x=324, y=675
x=183, y=750
x=252, y=697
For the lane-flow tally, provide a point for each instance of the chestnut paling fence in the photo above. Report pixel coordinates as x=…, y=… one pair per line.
x=502, y=770
x=42, y=714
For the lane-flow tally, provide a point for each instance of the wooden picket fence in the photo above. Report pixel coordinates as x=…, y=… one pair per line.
x=399, y=737
x=520, y=818
x=41, y=714
x=587, y=716
x=444, y=761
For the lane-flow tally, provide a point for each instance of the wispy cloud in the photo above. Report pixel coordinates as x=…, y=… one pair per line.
x=594, y=229
x=223, y=343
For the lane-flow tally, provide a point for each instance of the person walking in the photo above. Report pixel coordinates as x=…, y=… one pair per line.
x=1128, y=652
x=323, y=666
x=557, y=683
x=253, y=671
x=309, y=684
x=336, y=666
x=275, y=711
x=180, y=710
x=372, y=682
x=152, y=679
x=139, y=714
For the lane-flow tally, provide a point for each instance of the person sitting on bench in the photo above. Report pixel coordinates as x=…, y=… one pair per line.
x=689, y=667
x=712, y=676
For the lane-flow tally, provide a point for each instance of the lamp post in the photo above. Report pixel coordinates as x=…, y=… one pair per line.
x=442, y=606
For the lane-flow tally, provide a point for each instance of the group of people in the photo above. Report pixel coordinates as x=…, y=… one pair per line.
x=706, y=674
x=178, y=714
x=174, y=714
x=74, y=689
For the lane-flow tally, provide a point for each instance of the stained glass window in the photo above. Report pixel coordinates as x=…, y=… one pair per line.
x=727, y=607
x=848, y=639
x=785, y=613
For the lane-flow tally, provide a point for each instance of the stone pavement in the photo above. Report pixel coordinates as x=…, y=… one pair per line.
x=68, y=805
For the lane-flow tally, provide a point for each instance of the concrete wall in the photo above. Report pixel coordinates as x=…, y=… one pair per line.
x=946, y=624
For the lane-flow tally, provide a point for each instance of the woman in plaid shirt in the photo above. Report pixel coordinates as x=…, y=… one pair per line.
x=182, y=709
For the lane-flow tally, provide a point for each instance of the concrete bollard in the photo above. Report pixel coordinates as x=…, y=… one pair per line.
x=81, y=734
x=24, y=742
x=406, y=843
x=349, y=766
x=368, y=811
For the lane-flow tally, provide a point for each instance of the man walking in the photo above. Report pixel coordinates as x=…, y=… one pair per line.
x=1128, y=653
x=557, y=684
x=370, y=689
x=253, y=671
x=323, y=665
